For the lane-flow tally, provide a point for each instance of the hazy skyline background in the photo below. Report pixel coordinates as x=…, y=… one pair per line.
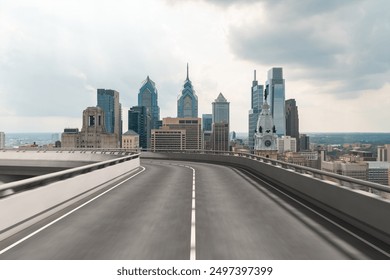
x=334, y=54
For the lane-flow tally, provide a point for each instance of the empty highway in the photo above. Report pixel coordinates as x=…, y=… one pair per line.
x=186, y=210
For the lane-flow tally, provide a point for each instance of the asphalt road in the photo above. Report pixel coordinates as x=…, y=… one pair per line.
x=151, y=217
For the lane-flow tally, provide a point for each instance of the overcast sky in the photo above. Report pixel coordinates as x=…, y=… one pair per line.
x=55, y=54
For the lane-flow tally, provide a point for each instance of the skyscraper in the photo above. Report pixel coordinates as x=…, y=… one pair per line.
x=207, y=120
x=292, y=120
x=140, y=122
x=108, y=100
x=93, y=133
x=148, y=97
x=256, y=104
x=220, y=137
x=275, y=91
x=304, y=142
x=192, y=128
x=187, y=103
x=220, y=126
x=220, y=110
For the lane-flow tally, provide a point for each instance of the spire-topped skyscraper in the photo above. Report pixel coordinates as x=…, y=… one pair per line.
x=187, y=103
x=256, y=103
x=148, y=97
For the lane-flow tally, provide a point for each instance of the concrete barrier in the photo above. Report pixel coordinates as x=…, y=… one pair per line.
x=35, y=162
x=56, y=155
x=23, y=209
x=365, y=211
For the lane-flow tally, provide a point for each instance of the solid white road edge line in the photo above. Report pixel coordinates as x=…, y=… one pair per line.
x=67, y=214
x=193, y=226
x=193, y=211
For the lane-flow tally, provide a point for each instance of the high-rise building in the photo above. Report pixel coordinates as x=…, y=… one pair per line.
x=304, y=142
x=220, y=126
x=275, y=92
x=187, y=103
x=140, y=122
x=93, y=133
x=220, y=110
x=207, y=120
x=220, y=137
x=2, y=140
x=108, y=100
x=166, y=139
x=292, y=120
x=148, y=97
x=256, y=104
x=192, y=127
x=265, y=137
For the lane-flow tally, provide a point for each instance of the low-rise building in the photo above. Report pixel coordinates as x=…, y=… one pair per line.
x=357, y=170
x=130, y=140
x=286, y=144
x=378, y=172
x=303, y=158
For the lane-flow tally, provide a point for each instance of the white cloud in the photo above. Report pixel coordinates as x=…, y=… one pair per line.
x=55, y=54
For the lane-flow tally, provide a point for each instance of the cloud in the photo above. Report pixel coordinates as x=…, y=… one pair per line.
x=52, y=59
x=221, y=3
x=55, y=54
x=343, y=43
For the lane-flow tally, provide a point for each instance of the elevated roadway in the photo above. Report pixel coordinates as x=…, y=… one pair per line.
x=191, y=210
x=18, y=164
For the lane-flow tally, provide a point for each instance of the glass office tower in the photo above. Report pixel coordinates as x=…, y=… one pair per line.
x=254, y=112
x=220, y=110
x=140, y=122
x=148, y=97
x=108, y=100
x=275, y=94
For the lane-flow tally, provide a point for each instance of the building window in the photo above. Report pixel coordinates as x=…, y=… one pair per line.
x=91, y=121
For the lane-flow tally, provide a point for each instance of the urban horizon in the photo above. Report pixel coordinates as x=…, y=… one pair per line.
x=126, y=108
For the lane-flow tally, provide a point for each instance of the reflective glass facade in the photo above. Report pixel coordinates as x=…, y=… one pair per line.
x=187, y=103
x=275, y=88
x=207, y=120
x=220, y=110
x=257, y=99
x=148, y=97
x=139, y=121
x=108, y=100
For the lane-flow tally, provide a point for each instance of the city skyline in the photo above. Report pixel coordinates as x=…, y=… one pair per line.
x=54, y=56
